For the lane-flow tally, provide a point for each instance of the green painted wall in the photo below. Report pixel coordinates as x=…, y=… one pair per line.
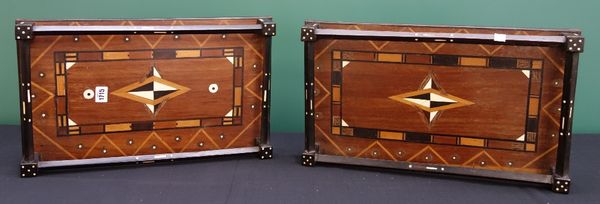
x=287, y=112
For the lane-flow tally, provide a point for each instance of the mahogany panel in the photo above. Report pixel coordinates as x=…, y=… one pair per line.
x=467, y=102
x=122, y=93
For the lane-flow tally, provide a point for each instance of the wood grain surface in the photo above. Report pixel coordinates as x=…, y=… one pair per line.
x=192, y=119
x=509, y=100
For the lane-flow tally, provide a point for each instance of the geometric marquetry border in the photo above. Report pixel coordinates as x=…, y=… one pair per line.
x=531, y=68
x=63, y=60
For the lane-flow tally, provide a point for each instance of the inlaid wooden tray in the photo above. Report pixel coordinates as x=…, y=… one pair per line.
x=491, y=102
x=115, y=91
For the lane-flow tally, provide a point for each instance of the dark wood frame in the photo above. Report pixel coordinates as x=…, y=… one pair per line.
x=26, y=30
x=571, y=42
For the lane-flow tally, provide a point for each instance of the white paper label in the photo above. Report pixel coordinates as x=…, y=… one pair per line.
x=101, y=94
x=499, y=37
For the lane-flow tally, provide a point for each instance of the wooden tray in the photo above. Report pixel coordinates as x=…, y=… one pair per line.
x=489, y=102
x=120, y=91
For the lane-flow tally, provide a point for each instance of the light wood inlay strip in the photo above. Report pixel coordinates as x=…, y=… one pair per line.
x=330, y=140
x=540, y=156
x=366, y=149
x=143, y=143
x=252, y=81
x=472, y=142
x=335, y=130
x=163, y=142
x=92, y=148
x=188, y=123
x=115, y=55
x=337, y=55
x=552, y=61
x=329, y=45
x=336, y=94
x=391, y=135
x=387, y=57
x=478, y=155
x=544, y=109
x=238, y=96
x=243, y=131
x=60, y=85
x=45, y=51
x=258, y=54
x=187, y=53
x=430, y=149
x=324, y=89
x=536, y=64
x=42, y=88
x=473, y=61
x=117, y=127
x=530, y=147
x=417, y=154
x=114, y=145
x=191, y=140
x=210, y=139
x=533, y=106
x=438, y=155
x=23, y=107
x=53, y=142
x=386, y=151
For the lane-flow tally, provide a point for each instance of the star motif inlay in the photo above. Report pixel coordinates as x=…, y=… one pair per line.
x=431, y=99
x=153, y=91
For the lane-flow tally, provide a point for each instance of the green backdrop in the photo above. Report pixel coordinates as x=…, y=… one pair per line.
x=287, y=103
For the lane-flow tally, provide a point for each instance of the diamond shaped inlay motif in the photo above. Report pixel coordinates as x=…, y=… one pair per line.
x=431, y=99
x=153, y=91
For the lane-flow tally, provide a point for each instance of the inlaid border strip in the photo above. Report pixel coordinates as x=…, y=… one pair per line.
x=63, y=59
x=439, y=59
x=533, y=68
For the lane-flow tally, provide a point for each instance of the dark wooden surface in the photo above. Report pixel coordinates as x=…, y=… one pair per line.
x=243, y=179
x=195, y=75
x=483, y=134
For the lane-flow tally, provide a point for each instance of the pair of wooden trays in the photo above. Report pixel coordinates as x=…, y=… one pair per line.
x=487, y=102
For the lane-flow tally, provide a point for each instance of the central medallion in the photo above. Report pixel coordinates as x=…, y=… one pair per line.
x=431, y=99
x=153, y=91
